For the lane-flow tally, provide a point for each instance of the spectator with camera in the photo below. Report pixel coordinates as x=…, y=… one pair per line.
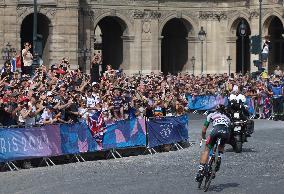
x=27, y=59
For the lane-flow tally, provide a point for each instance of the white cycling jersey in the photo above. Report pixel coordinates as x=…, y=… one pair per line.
x=218, y=119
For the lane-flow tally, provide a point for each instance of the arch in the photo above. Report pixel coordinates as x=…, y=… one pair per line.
x=174, y=46
x=233, y=23
x=242, y=45
x=112, y=45
x=26, y=35
x=267, y=19
x=274, y=28
x=25, y=11
x=188, y=22
x=120, y=18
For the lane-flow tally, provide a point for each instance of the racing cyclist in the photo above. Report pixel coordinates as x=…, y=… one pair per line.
x=221, y=123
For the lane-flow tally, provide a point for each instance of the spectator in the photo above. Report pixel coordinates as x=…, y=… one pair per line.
x=277, y=92
x=95, y=68
x=27, y=59
x=278, y=71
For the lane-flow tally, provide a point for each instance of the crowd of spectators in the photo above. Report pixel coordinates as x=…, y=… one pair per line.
x=61, y=95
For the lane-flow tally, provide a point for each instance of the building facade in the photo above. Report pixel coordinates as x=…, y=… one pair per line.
x=148, y=35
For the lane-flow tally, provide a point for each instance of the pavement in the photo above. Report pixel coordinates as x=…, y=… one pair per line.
x=258, y=169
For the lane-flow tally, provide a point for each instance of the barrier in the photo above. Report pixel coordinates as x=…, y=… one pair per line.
x=250, y=104
x=205, y=102
x=125, y=133
x=24, y=143
x=167, y=130
x=55, y=140
x=208, y=103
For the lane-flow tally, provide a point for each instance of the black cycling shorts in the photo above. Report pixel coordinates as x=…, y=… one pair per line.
x=218, y=131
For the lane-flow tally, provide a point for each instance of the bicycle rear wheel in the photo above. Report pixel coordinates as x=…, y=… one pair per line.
x=209, y=179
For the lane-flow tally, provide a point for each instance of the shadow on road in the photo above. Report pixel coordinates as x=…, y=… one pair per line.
x=246, y=150
x=221, y=187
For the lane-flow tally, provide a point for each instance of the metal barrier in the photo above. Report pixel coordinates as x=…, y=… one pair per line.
x=51, y=142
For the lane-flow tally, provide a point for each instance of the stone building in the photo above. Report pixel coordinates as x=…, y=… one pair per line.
x=147, y=35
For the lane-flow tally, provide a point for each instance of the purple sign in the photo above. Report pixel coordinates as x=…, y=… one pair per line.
x=22, y=143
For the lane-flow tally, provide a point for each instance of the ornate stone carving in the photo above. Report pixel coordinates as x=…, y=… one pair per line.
x=231, y=14
x=96, y=13
x=48, y=11
x=146, y=14
x=23, y=11
x=146, y=30
x=212, y=15
x=165, y=14
x=146, y=27
x=138, y=14
x=254, y=14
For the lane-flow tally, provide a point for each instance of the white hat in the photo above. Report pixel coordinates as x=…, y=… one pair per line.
x=49, y=93
x=94, y=83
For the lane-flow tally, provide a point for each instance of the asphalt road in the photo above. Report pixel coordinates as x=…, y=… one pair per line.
x=259, y=169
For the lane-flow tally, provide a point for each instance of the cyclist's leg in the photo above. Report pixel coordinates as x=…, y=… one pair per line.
x=210, y=141
x=221, y=148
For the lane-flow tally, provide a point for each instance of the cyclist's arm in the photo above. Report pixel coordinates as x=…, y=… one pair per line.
x=204, y=129
x=206, y=125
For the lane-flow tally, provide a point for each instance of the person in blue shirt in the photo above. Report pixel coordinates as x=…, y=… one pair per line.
x=277, y=93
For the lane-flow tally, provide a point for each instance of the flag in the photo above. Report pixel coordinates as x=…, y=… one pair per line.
x=18, y=61
x=97, y=126
x=13, y=64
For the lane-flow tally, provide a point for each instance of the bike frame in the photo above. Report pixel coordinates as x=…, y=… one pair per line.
x=211, y=166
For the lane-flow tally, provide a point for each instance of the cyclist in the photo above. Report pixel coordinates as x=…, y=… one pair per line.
x=221, y=123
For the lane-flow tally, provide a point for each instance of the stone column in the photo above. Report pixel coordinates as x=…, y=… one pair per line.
x=192, y=42
x=46, y=56
x=156, y=45
x=128, y=54
x=160, y=53
x=136, y=50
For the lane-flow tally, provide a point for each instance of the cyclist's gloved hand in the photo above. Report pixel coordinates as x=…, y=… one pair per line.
x=201, y=142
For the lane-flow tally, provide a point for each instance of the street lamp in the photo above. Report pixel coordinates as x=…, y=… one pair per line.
x=260, y=26
x=243, y=33
x=193, y=64
x=201, y=37
x=229, y=61
x=35, y=51
x=8, y=52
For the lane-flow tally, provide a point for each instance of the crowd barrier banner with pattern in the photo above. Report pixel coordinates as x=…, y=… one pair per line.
x=24, y=143
x=167, y=130
x=125, y=133
x=55, y=140
x=207, y=103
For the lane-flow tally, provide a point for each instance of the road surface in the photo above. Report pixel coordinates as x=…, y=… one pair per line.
x=259, y=169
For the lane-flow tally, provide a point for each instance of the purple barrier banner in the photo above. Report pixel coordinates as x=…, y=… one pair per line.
x=24, y=143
